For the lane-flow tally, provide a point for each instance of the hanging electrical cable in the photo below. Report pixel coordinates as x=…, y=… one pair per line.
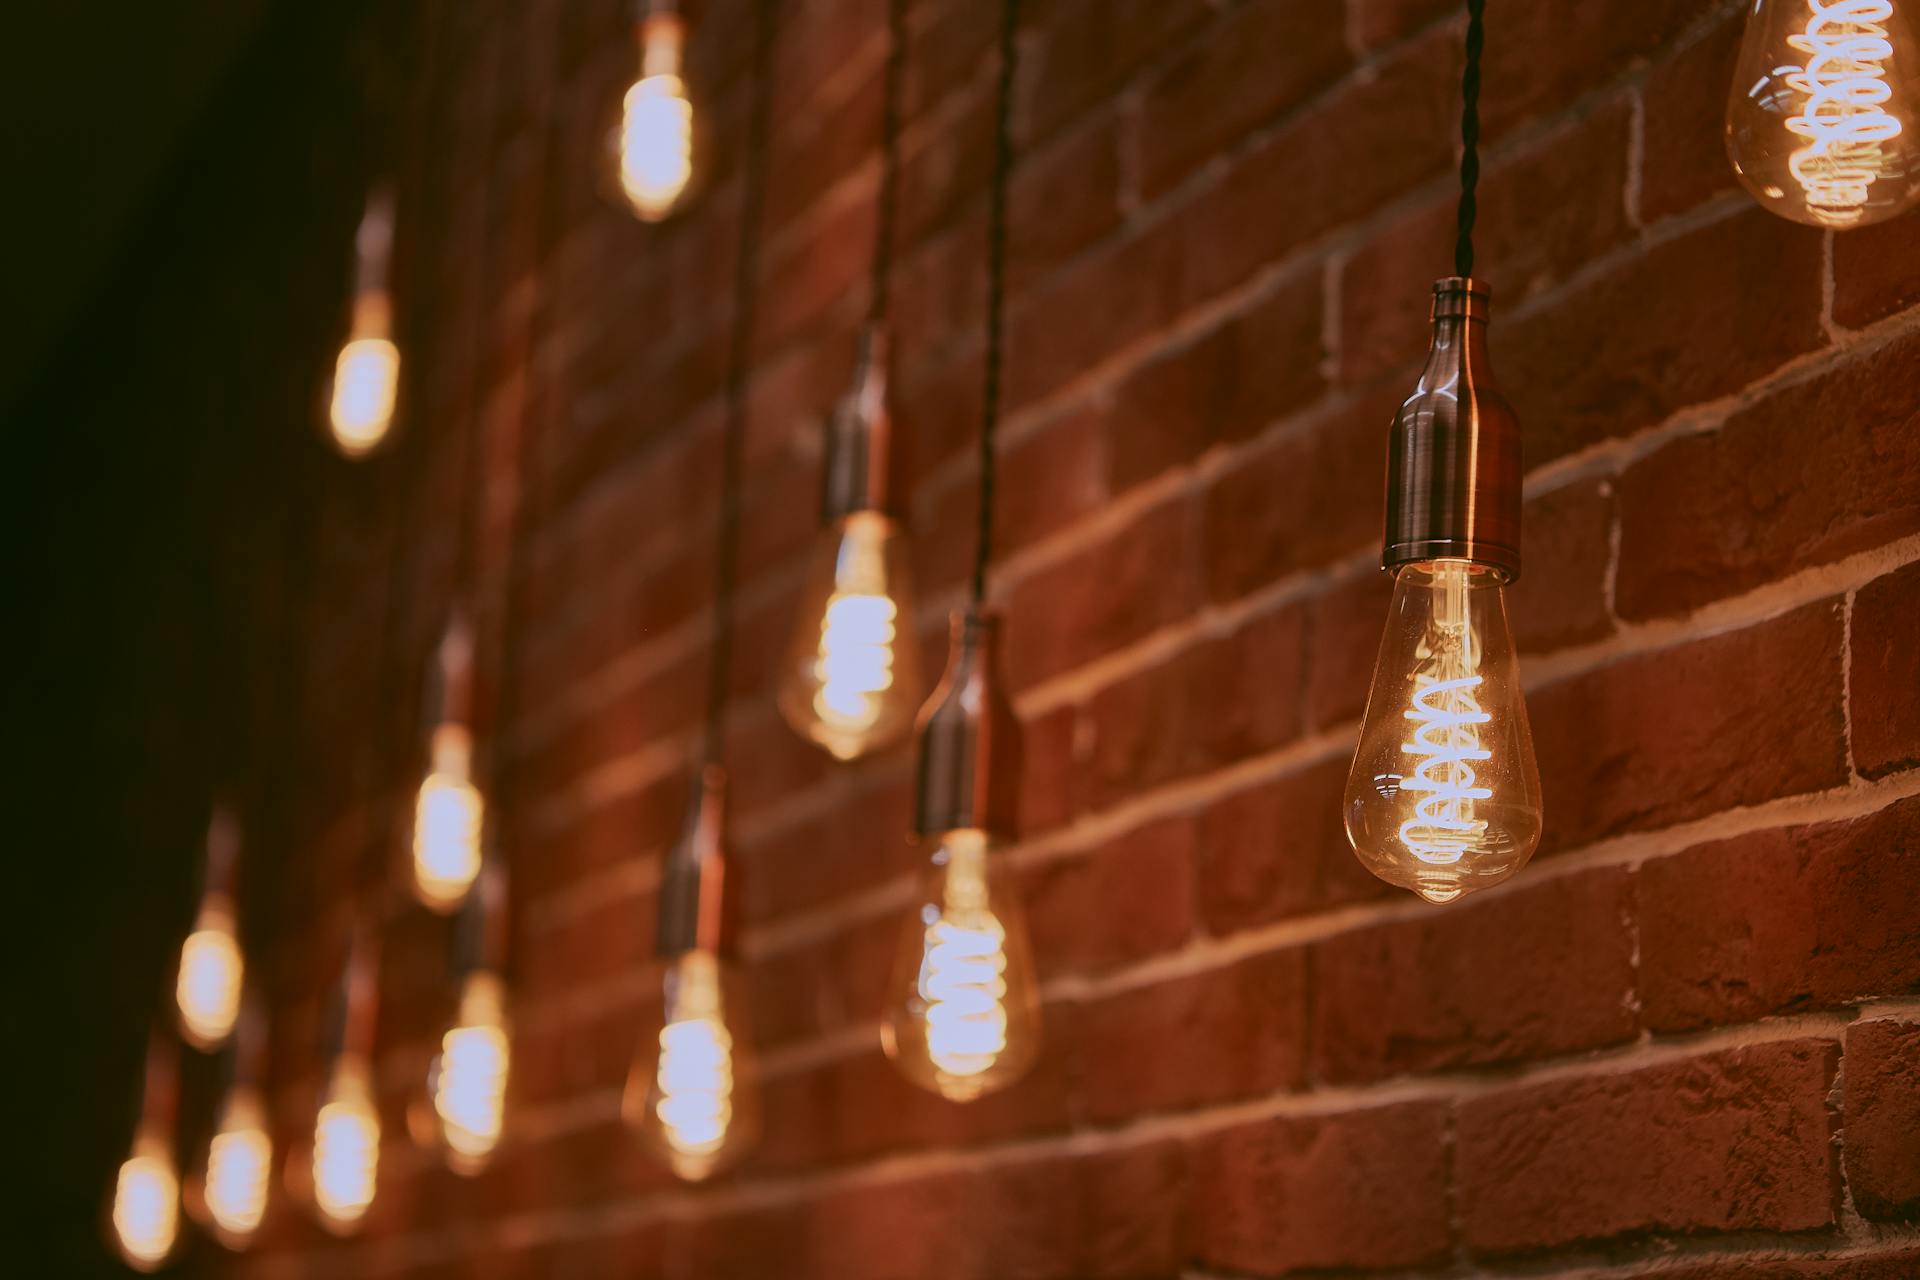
x=692, y=1092
x=1444, y=794
x=964, y=1014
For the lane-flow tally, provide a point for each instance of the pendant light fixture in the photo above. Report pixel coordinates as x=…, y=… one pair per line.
x=230, y=1195
x=1444, y=793
x=964, y=1013
x=1821, y=123
x=144, y=1217
x=366, y=377
x=448, y=811
x=468, y=1077
x=650, y=147
x=345, y=1157
x=851, y=678
x=212, y=968
x=692, y=1093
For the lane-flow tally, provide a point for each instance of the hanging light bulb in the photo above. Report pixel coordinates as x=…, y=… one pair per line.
x=346, y=1146
x=366, y=376
x=1444, y=794
x=964, y=1016
x=852, y=681
x=470, y=1075
x=211, y=970
x=146, y=1205
x=692, y=1093
x=449, y=811
x=1820, y=123
x=652, y=142
x=239, y=1167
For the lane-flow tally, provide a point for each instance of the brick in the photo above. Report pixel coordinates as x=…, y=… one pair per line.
x=1715, y=514
x=1739, y=1140
x=1537, y=972
x=1380, y=22
x=1684, y=103
x=1250, y=66
x=1664, y=736
x=1062, y=200
x=1354, y=1189
x=1343, y=641
x=1883, y=692
x=1131, y=1221
x=1882, y=1084
x=973, y=1224
x=1876, y=272
x=1212, y=1037
x=1536, y=59
x=1082, y=50
x=1127, y=900
x=1773, y=921
x=1561, y=596
x=1894, y=1264
x=1049, y=794
x=1690, y=319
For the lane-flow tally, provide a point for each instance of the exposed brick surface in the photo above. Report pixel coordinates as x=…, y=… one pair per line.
x=1884, y=679
x=1883, y=1118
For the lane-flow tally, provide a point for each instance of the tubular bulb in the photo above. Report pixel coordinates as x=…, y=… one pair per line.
x=696, y=1102
x=852, y=679
x=1820, y=121
x=346, y=1147
x=146, y=1204
x=239, y=1162
x=965, y=1014
x=447, y=823
x=470, y=1075
x=1444, y=796
x=653, y=141
x=211, y=968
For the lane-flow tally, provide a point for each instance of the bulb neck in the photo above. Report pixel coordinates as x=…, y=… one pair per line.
x=856, y=474
x=696, y=906
x=1453, y=468
x=968, y=766
x=662, y=34
x=480, y=930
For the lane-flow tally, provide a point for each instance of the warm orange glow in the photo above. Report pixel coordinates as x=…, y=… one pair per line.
x=695, y=1104
x=365, y=383
x=211, y=968
x=146, y=1205
x=470, y=1086
x=656, y=145
x=239, y=1161
x=346, y=1148
x=447, y=823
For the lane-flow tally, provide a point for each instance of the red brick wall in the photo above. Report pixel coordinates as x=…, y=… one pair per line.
x=1685, y=1041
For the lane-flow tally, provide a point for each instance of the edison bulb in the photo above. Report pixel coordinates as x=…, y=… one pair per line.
x=447, y=823
x=239, y=1164
x=470, y=1076
x=965, y=1014
x=346, y=1147
x=852, y=678
x=1820, y=123
x=207, y=987
x=695, y=1099
x=1444, y=796
x=366, y=381
x=146, y=1205
x=653, y=141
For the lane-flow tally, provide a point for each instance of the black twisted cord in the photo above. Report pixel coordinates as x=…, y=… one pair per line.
x=889, y=199
x=1469, y=138
x=739, y=367
x=996, y=288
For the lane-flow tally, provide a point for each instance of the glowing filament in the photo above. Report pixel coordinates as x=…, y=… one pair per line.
x=963, y=970
x=656, y=144
x=146, y=1205
x=694, y=1077
x=1446, y=744
x=364, y=385
x=1844, y=116
x=346, y=1149
x=208, y=986
x=446, y=827
x=856, y=660
x=471, y=1087
x=238, y=1167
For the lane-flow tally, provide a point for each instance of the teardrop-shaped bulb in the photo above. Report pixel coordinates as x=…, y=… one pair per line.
x=239, y=1168
x=693, y=1092
x=346, y=1147
x=852, y=677
x=146, y=1204
x=651, y=142
x=964, y=1017
x=469, y=1076
x=1444, y=796
x=447, y=823
x=207, y=987
x=1821, y=123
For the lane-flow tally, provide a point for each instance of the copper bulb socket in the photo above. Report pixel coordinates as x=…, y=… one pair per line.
x=856, y=474
x=967, y=774
x=695, y=909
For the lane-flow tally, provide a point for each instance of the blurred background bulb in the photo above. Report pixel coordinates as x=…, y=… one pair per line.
x=965, y=1017
x=211, y=968
x=239, y=1164
x=852, y=677
x=1820, y=121
x=470, y=1076
x=653, y=141
x=366, y=376
x=1444, y=796
x=447, y=823
x=696, y=1102
x=346, y=1147
x=146, y=1204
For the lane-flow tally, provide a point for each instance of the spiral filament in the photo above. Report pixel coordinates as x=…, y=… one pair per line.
x=447, y=818
x=238, y=1163
x=365, y=383
x=693, y=1080
x=208, y=986
x=1844, y=116
x=346, y=1149
x=471, y=1085
x=656, y=144
x=963, y=970
x=856, y=660
x=1446, y=744
x=146, y=1205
